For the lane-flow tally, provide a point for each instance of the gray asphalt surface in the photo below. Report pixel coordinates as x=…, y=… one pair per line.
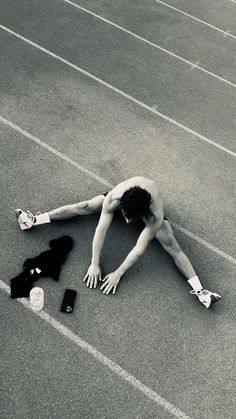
x=152, y=328
x=138, y=69
x=218, y=13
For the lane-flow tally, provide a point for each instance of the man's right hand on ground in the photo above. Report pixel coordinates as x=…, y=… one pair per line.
x=93, y=275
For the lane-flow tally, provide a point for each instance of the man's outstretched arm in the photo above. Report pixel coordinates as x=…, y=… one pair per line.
x=99, y=236
x=111, y=280
x=143, y=241
x=94, y=271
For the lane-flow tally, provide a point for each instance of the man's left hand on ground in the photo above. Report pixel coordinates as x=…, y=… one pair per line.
x=110, y=282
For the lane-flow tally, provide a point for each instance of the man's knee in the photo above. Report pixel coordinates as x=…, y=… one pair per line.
x=178, y=255
x=83, y=205
x=80, y=207
x=90, y=206
x=172, y=247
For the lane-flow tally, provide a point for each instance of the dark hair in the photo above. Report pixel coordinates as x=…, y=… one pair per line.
x=135, y=202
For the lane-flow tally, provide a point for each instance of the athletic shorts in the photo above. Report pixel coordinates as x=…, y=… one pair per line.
x=105, y=194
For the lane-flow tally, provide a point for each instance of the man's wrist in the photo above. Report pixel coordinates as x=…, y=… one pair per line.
x=120, y=272
x=95, y=260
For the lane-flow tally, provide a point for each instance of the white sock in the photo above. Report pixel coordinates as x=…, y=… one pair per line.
x=42, y=219
x=195, y=283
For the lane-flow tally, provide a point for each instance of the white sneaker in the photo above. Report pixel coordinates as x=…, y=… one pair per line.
x=207, y=298
x=25, y=219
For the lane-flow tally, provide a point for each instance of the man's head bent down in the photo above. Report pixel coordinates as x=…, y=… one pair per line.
x=135, y=203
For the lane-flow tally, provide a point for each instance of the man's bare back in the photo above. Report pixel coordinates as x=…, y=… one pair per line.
x=156, y=209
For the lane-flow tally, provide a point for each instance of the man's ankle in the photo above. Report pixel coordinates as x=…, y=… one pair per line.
x=195, y=284
x=42, y=219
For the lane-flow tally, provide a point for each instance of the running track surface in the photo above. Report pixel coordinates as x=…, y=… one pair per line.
x=168, y=113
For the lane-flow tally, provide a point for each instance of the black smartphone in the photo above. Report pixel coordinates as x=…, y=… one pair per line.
x=68, y=301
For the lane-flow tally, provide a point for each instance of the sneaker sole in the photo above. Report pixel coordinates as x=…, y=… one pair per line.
x=214, y=299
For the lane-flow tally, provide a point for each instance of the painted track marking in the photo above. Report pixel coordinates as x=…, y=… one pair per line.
x=226, y=33
x=140, y=38
x=107, y=362
x=120, y=92
x=109, y=185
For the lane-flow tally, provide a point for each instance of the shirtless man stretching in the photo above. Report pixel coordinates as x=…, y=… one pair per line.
x=137, y=198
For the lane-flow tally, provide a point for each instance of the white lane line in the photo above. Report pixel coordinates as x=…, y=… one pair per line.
x=150, y=43
x=120, y=92
x=227, y=33
x=194, y=65
x=106, y=183
x=113, y=366
x=203, y=242
x=56, y=152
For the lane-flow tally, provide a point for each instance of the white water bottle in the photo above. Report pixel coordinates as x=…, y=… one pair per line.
x=36, y=298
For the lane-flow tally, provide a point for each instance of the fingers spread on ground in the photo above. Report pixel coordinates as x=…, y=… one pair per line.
x=103, y=285
x=106, y=290
x=109, y=289
x=86, y=276
x=91, y=282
